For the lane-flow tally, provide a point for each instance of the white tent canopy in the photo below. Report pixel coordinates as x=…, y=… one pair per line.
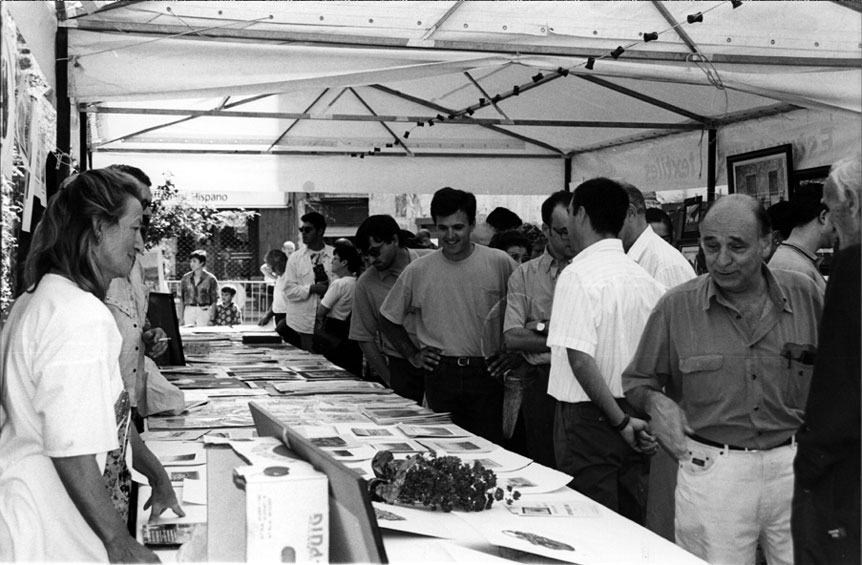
x=341, y=96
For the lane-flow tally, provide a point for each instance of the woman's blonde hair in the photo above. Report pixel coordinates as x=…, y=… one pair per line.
x=65, y=237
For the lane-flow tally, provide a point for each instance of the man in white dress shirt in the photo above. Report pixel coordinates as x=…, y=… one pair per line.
x=660, y=259
x=601, y=303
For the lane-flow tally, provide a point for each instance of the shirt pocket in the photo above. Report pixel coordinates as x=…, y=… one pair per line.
x=798, y=367
x=701, y=380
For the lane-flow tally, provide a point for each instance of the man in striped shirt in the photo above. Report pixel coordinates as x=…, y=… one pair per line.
x=601, y=303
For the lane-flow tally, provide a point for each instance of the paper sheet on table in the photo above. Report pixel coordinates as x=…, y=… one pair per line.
x=555, y=509
x=173, y=453
x=459, y=446
x=420, y=521
x=263, y=451
x=556, y=538
x=534, y=479
x=226, y=435
x=194, y=491
x=499, y=460
x=176, y=435
x=364, y=432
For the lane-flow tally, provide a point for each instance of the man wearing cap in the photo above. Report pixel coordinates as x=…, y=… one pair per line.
x=732, y=352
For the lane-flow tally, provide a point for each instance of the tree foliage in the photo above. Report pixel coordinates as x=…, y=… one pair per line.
x=176, y=215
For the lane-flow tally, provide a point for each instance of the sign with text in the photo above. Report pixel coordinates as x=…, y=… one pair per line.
x=239, y=199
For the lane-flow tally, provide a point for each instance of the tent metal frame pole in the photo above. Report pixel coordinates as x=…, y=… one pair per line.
x=293, y=38
x=460, y=120
x=433, y=29
x=325, y=153
x=432, y=105
x=291, y=126
x=195, y=114
x=644, y=98
x=395, y=138
x=567, y=173
x=711, y=162
x=86, y=157
x=676, y=26
x=64, y=107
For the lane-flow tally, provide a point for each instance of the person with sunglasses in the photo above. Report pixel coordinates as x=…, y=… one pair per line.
x=525, y=330
x=307, y=277
x=379, y=240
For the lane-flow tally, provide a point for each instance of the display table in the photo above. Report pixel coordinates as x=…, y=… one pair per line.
x=609, y=537
x=526, y=531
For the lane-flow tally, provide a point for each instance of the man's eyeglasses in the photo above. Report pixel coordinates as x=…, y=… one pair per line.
x=306, y=229
x=562, y=232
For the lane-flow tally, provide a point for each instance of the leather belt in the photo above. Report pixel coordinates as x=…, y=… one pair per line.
x=789, y=441
x=464, y=361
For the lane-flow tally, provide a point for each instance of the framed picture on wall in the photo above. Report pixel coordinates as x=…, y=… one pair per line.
x=690, y=214
x=765, y=174
x=808, y=176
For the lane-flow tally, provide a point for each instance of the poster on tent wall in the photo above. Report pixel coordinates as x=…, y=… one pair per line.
x=819, y=138
x=670, y=163
x=8, y=58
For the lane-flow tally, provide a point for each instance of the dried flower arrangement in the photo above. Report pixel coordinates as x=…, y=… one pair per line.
x=444, y=483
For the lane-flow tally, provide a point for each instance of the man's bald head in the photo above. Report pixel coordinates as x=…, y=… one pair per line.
x=742, y=203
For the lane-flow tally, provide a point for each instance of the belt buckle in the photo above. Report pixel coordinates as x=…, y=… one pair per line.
x=462, y=361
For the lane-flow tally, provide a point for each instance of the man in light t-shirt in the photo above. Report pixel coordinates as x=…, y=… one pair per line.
x=457, y=298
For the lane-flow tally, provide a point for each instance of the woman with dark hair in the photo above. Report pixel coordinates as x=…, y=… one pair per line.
x=515, y=243
x=65, y=433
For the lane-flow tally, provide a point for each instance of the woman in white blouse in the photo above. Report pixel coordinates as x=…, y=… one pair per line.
x=65, y=433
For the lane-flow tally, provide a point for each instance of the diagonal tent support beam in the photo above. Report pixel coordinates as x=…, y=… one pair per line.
x=222, y=106
x=488, y=97
x=433, y=29
x=291, y=126
x=459, y=121
x=447, y=111
x=644, y=98
x=676, y=26
x=385, y=126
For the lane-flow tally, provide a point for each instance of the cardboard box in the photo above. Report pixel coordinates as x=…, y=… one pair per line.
x=286, y=511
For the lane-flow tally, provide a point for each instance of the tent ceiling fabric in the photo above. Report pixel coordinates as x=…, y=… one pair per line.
x=350, y=78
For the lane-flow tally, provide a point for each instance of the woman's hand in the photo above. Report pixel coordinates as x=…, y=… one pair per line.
x=162, y=498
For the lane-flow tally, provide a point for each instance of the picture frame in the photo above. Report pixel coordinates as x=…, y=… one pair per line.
x=812, y=175
x=689, y=219
x=766, y=174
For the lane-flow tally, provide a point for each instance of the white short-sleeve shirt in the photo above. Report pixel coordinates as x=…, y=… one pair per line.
x=339, y=297
x=61, y=379
x=601, y=304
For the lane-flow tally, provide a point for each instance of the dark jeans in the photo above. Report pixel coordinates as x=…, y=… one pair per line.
x=537, y=413
x=334, y=345
x=602, y=464
x=474, y=398
x=406, y=380
x=293, y=337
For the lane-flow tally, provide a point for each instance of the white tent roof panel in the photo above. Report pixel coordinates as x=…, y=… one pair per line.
x=407, y=61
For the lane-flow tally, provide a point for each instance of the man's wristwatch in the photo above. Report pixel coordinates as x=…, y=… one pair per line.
x=541, y=327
